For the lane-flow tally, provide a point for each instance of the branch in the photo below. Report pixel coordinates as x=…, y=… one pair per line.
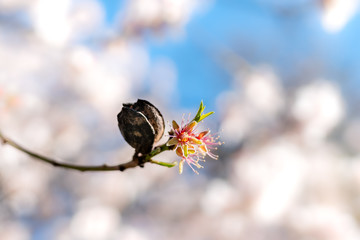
x=136, y=161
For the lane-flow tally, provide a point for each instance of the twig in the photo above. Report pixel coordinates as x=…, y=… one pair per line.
x=136, y=161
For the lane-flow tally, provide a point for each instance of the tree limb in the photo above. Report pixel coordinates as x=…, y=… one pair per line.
x=136, y=161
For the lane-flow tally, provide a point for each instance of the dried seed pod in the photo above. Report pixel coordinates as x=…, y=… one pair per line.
x=152, y=114
x=141, y=124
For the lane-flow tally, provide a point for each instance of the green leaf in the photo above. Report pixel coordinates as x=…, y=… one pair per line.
x=164, y=164
x=199, y=116
x=205, y=116
x=199, y=112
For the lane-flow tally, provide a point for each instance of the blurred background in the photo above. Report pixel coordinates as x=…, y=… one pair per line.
x=282, y=77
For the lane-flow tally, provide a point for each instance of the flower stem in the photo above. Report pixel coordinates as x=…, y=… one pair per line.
x=157, y=150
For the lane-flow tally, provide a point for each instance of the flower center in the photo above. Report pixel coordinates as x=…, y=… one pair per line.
x=184, y=137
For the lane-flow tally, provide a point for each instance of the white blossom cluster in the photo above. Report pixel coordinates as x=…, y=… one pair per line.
x=289, y=168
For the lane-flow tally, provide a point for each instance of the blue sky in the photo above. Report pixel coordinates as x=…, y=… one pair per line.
x=291, y=39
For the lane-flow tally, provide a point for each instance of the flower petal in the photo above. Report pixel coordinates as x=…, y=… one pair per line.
x=175, y=125
x=185, y=148
x=179, y=152
x=181, y=165
x=172, y=141
x=203, y=148
x=195, y=141
x=203, y=134
x=190, y=126
x=191, y=151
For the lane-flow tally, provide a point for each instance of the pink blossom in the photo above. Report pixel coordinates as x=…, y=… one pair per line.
x=191, y=146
